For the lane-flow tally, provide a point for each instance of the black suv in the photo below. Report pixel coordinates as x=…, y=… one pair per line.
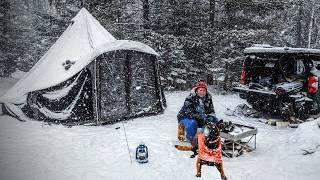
x=281, y=80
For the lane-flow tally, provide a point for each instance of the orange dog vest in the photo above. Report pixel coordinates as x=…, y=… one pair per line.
x=207, y=154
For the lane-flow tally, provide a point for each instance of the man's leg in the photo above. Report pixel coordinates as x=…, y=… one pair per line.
x=190, y=126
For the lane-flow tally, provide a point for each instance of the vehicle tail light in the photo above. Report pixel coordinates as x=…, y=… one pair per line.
x=312, y=84
x=243, y=77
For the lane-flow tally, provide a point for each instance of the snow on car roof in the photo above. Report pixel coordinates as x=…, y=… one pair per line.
x=280, y=50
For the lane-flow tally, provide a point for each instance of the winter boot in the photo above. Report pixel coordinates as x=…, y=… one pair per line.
x=195, y=152
x=181, y=134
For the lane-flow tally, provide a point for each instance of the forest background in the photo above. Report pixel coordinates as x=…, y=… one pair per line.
x=196, y=39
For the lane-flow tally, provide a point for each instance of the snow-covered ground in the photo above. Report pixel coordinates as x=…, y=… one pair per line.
x=36, y=150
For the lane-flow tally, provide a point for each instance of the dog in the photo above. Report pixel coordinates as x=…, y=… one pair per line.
x=207, y=145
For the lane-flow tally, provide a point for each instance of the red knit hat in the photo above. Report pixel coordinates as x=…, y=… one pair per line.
x=200, y=84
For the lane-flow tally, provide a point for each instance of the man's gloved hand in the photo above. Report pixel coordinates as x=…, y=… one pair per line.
x=199, y=119
x=220, y=124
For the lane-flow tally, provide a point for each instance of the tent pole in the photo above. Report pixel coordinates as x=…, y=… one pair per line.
x=95, y=69
x=125, y=135
x=159, y=91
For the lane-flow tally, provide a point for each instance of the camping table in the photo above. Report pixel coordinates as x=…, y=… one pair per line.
x=237, y=138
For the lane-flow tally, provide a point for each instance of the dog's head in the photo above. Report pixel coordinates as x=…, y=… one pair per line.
x=212, y=135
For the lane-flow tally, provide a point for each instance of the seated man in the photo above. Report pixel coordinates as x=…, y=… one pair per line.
x=197, y=109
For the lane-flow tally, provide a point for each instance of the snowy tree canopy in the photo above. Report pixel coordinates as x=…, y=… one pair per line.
x=189, y=34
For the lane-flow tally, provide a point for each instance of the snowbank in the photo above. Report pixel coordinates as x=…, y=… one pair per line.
x=307, y=136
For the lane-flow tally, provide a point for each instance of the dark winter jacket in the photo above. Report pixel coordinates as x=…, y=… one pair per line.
x=189, y=109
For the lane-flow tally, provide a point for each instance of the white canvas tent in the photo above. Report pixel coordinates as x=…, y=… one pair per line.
x=83, y=48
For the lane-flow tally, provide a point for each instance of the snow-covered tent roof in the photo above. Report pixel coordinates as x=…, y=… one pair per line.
x=81, y=42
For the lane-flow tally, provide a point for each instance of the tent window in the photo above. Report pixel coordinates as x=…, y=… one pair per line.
x=112, y=92
x=127, y=85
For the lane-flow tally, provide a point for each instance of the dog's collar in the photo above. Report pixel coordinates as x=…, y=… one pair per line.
x=216, y=140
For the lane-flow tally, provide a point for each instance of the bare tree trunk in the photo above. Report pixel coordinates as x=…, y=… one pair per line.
x=318, y=32
x=146, y=11
x=226, y=77
x=212, y=27
x=83, y=2
x=230, y=15
x=299, y=26
x=311, y=23
x=212, y=13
